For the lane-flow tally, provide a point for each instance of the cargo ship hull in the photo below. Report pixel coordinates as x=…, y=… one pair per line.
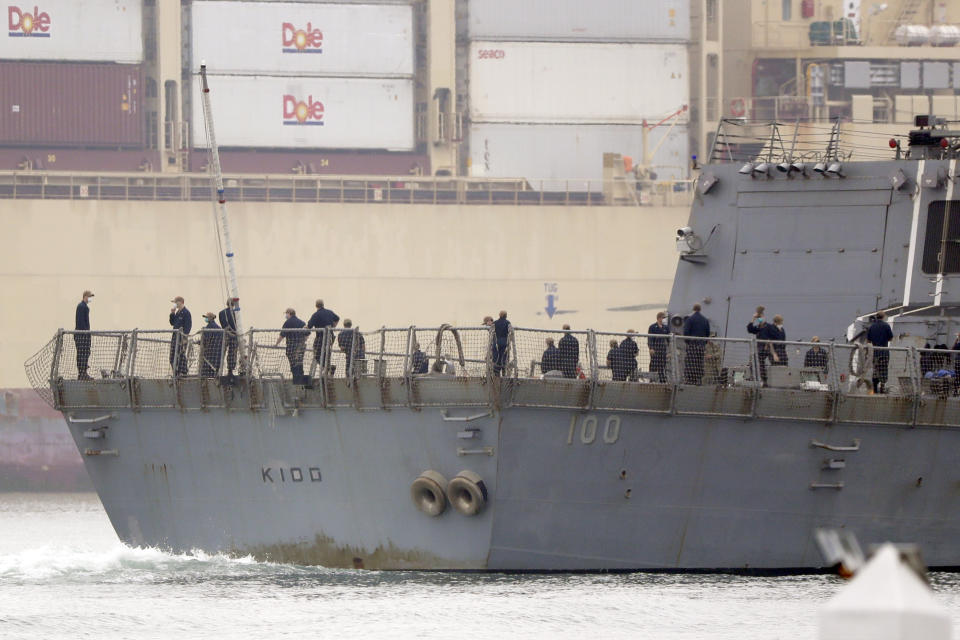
x=36, y=452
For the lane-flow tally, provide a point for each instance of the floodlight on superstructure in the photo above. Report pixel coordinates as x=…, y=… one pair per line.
x=706, y=182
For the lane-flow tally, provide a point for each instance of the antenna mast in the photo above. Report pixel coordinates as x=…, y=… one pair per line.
x=217, y=174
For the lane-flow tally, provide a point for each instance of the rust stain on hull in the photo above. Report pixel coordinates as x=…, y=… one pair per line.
x=326, y=552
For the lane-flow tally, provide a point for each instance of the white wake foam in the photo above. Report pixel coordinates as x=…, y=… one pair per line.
x=74, y=562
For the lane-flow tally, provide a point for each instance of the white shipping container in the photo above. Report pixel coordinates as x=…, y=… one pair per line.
x=566, y=156
x=301, y=39
x=310, y=113
x=566, y=20
x=576, y=82
x=69, y=30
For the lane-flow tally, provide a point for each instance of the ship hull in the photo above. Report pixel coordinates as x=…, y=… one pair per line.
x=36, y=452
x=566, y=489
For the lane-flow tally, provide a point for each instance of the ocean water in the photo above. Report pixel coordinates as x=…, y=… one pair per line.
x=64, y=574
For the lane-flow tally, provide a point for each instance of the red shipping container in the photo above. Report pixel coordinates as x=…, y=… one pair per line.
x=71, y=104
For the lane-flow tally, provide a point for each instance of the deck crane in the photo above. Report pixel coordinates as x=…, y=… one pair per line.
x=642, y=170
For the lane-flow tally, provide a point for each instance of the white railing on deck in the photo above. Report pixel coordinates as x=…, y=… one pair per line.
x=669, y=374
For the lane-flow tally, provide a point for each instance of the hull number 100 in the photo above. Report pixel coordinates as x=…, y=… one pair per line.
x=589, y=429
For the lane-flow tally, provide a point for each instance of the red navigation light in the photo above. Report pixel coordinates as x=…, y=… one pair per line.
x=893, y=143
x=944, y=143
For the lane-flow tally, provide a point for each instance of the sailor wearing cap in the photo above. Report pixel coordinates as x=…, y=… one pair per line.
x=82, y=341
x=228, y=320
x=296, y=344
x=182, y=323
x=321, y=319
x=211, y=347
x=658, y=347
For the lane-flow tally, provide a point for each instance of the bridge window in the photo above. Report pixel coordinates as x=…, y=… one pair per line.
x=941, y=246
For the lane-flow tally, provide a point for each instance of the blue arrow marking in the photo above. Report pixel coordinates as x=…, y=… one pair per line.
x=550, y=308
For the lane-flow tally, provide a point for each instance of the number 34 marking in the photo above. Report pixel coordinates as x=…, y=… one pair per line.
x=588, y=429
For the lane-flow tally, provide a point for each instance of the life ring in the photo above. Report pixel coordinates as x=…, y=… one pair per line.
x=428, y=493
x=738, y=107
x=467, y=493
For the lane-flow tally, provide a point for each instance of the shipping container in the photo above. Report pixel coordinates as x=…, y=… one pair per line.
x=71, y=104
x=310, y=113
x=70, y=30
x=576, y=82
x=74, y=159
x=576, y=20
x=300, y=39
x=565, y=157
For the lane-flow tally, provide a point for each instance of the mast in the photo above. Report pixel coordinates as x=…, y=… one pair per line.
x=224, y=223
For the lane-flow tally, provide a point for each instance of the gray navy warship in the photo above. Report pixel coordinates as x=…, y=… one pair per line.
x=712, y=461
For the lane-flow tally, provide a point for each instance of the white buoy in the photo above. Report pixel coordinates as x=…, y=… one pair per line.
x=886, y=600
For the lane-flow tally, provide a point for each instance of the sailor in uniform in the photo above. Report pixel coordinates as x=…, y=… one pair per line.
x=296, y=344
x=82, y=341
x=501, y=329
x=879, y=335
x=658, y=347
x=352, y=344
x=320, y=320
x=695, y=327
x=419, y=363
x=569, y=348
x=550, y=360
x=816, y=357
x=628, y=351
x=182, y=323
x=228, y=321
x=211, y=346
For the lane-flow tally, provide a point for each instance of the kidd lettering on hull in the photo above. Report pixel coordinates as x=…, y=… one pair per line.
x=307, y=40
x=23, y=24
x=270, y=475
